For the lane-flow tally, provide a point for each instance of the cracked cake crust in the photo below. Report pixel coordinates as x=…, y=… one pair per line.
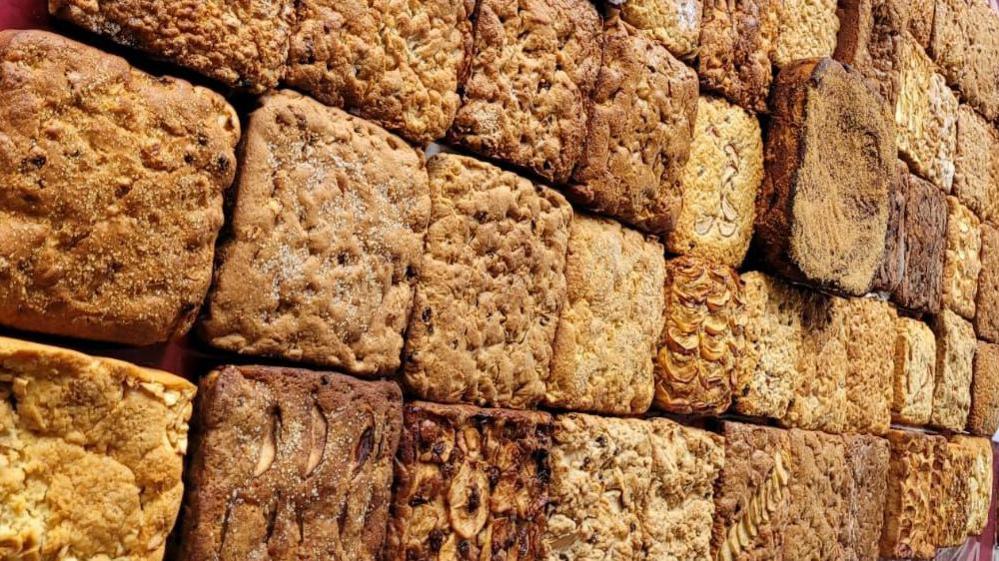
x=914, y=372
x=630, y=488
x=491, y=289
x=397, y=63
x=674, y=23
x=92, y=453
x=326, y=242
x=639, y=131
x=112, y=192
x=470, y=481
x=290, y=463
x=954, y=367
x=608, y=330
x=241, y=44
x=533, y=67
x=736, y=44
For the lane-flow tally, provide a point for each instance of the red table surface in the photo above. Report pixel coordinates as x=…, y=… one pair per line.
x=189, y=360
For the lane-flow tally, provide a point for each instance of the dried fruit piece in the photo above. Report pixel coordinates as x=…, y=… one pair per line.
x=703, y=341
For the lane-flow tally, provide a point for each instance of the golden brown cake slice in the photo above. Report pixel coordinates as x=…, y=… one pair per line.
x=111, y=200
x=720, y=183
x=955, y=355
x=805, y=29
x=976, y=164
x=639, y=132
x=774, y=338
x=972, y=459
x=987, y=301
x=610, y=324
x=326, y=240
x=914, y=372
x=91, y=452
x=533, y=68
x=910, y=508
x=925, y=117
x=241, y=44
x=962, y=260
x=965, y=45
x=491, y=289
x=703, y=341
x=399, y=64
x=674, y=23
x=630, y=489
x=736, y=44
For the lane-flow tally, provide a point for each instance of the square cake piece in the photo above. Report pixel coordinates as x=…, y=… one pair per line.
x=819, y=400
x=491, y=289
x=910, y=510
x=769, y=377
x=914, y=372
x=327, y=237
x=819, y=486
x=962, y=261
x=921, y=287
x=965, y=45
x=870, y=337
x=470, y=481
x=92, y=455
x=719, y=184
x=281, y=453
x=987, y=301
x=892, y=267
x=868, y=459
x=822, y=213
x=955, y=356
x=734, y=56
x=703, y=340
x=674, y=23
x=972, y=463
x=976, y=164
x=610, y=325
x=752, y=494
x=395, y=63
x=112, y=192
x=241, y=44
x=630, y=489
x=951, y=495
x=533, y=69
x=925, y=117
x=639, y=132
x=805, y=29
x=983, y=418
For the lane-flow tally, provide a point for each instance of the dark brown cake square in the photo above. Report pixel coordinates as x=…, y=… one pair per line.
x=471, y=483
x=822, y=213
x=290, y=464
x=921, y=287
